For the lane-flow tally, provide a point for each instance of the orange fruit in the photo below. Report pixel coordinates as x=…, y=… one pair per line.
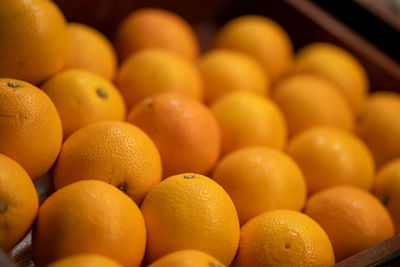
x=379, y=126
x=112, y=151
x=338, y=66
x=34, y=40
x=82, y=98
x=283, y=238
x=307, y=100
x=85, y=260
x=90, y=50
x=154, y=70
x=225, y=70
x=353, y=219
x=247, y=119
x=185, y=132
x=187, y=258
x=18, y=203
x=259, y=179
x=89, y=217
x=263, y=39
x=387, y=189
x=190, y=211
x=153, y=27
x=330, y=156
x=31, y=131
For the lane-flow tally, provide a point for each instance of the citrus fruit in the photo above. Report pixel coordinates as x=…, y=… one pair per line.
x=113, y=151
x=18, y=202
x=283, y=238
x=85, y=260
x=353, y=219
x=82, y=97
x=156, y=70
x=187, y=258
x=89, y=217
x=190, y=211
x=185, y=132
x=330, y=156
x=259, y=179
x=31, y=131
x=34, y=40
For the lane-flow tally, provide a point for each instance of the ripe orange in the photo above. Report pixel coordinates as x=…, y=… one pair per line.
x=90, y=50
x=190, y=211
x=330, y=156
x=89, y=217
x=283, y=238
x=185, y=132
x=34, y=40
x=379, y=126
x=152, y=27
x=112, y=151
x=187, y=258
x=225, y=70
x=154, y=70
x=85, y=260
x=247, y=119
x=263, y=39
x=353, y=219
x=387, y=189
x=31, y=131
x=82, y=98
x=18, y=202
x=339, y=66
x=307, y=100
x=259, y=179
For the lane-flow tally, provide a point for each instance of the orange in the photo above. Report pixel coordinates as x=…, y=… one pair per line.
x=155, y=70
x=261, y=38
x=330, y=156
x=307, y=100
x=31, y=131
x=153, y=27
x=379, y=126
x=89, y=217
x=247, y=119
x=34, y=40
x=85, y=260
x=387, y=189
x=82, y=98
x=18, y=203
x=187, y=258
x=190, y=211
x=259, y=179
x=90, y=50
x=225, y=70
x=339, y=66
x=283, y=238
x=185, y=132
x=113, y=151
x=353, y=219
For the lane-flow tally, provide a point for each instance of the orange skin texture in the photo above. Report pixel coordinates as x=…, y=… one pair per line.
x=259, y=179
x=307, y=100
x=353, y=219
x=330, y=156
x=283, y=238
x=82, y=98
x=112, y=151
x=190, y=213
x=33, y=40
x=184, y=130
x=89, y=49
x=86, y=260
x=153, y=27
x=31, y=131
x=89, y=217
x=187, y=258
x=18, y=203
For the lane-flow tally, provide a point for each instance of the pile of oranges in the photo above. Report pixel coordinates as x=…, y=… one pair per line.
x=246, y=155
